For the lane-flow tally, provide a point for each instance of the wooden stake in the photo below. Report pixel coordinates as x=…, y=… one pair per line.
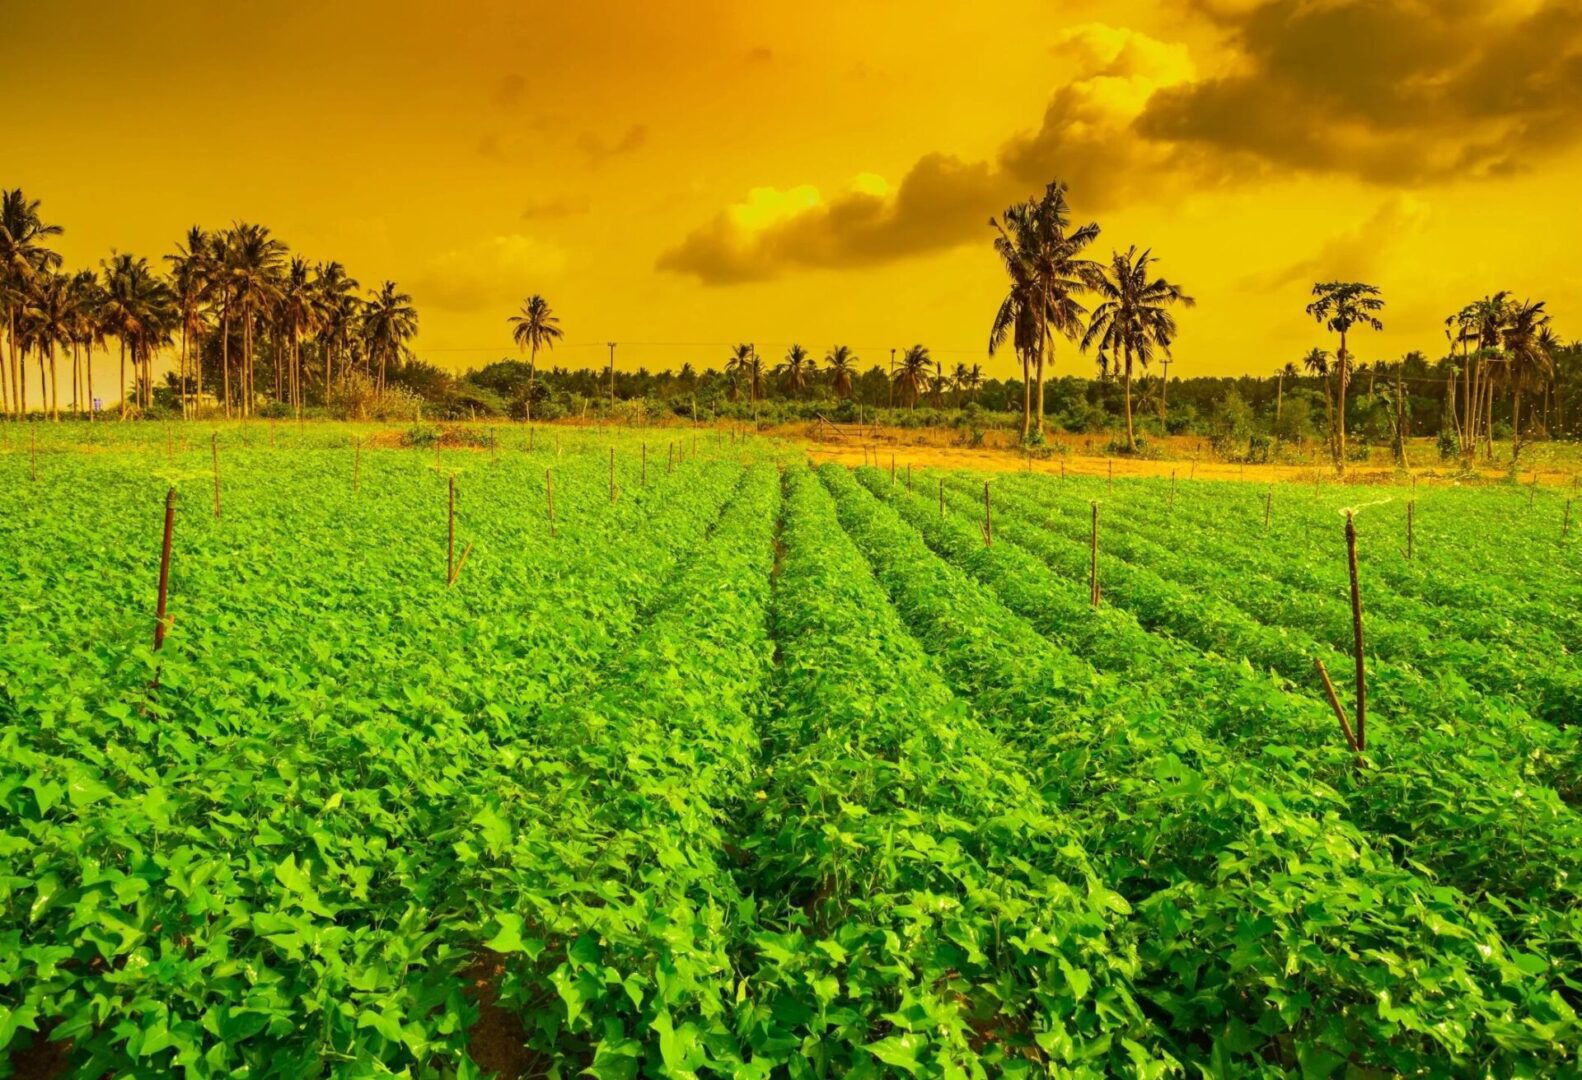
x=1334, y=703
x=988, y=518
x=530, y=438
x=1172, y=505
x=670, y=458
x=892, y=468
x=1411, y=540
x=612, y=475
x=1356, y=633
x=1565, y=526
x=909, y=478
x=942, y=498
x=1193, y=474
x=1268, y=506
x=1093, y=558
x=214, y=446
x=644, y=481
x=450, y=538
x=1112, y=476
x=160, y=625
x=549, y=494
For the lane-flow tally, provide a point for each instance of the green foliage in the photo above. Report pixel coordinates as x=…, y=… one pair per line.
x=759, y=771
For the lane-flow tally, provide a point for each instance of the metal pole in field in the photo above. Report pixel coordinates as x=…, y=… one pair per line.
x=214, y=446
x=164, y=570
x=1356, y=632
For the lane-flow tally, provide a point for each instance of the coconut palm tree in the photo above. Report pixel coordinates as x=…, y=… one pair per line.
x=252, y=272
x=1341, y=306
x=1133, y=319
x=86, y=330
x=797, y=369
x=911, y=377
x=537, y=327
x=23, y=256
x=192, y=270
x=1042, y=256
x=298, y=308
x=389, y=322
x=966, y=381
x=739, y=366
x=841, y=364
x=47, y=320
x=1316, y=364
x=340, y=312
x=1530, y=365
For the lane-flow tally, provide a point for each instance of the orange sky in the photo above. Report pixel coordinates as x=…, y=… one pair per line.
x=680, y=176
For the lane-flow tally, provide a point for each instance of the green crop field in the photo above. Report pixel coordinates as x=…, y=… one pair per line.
x=739, y=767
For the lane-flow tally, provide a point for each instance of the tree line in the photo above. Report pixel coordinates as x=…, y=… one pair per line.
x=249, y=322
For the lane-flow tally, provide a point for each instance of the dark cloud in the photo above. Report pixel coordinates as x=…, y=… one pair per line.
x=763, y=54
x=508, y=91
x=1388, y=90
x=1355, y=254
x=599, y=151
x=551, y=209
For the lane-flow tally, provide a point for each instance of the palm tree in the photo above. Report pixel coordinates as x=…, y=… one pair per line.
x=86, y=297
x=298, y=305
x=537, y=327
x=252, y=273
x=48, y=318
x=389, y=322
x=191, y=275
x=23, y=256
x=797, y=369
x=340, y=311
x=1316, y=363
x=841, y=363
x=1530, y=363
x=1340, y=306
x=966, y=381
x=1041, y=255
x=912, y=376
x=1133, y=318
x=744, y=362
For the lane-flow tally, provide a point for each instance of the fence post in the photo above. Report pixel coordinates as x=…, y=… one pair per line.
x=1093, y=558
x=1356, y=632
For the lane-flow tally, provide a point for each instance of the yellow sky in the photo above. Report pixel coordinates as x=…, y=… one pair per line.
x=671, y=174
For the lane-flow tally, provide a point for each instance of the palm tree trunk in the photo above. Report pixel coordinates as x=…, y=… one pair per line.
x=1027, y=398
x=16, y=383
x=532, y=369
x=1516, y=422
x=123, y=378
x=1131, y=437
x=54, y=387
x=87, y=370
x=225, y=355
x=1340, y=409
x=1038, y=394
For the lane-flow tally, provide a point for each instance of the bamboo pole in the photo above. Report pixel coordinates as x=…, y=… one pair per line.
x=1093, y=558
x=160, y=624
x=1356, y=632
x=1334, y=703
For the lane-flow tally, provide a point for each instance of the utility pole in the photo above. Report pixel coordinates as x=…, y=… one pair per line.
x=611, y=344
x=892, y=378
x=1164, y=392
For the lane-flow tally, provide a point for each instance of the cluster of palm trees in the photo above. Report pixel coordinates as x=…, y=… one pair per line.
x=916, y=375
x=226, y=294
x=1504, y=342
x=1043, y=256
